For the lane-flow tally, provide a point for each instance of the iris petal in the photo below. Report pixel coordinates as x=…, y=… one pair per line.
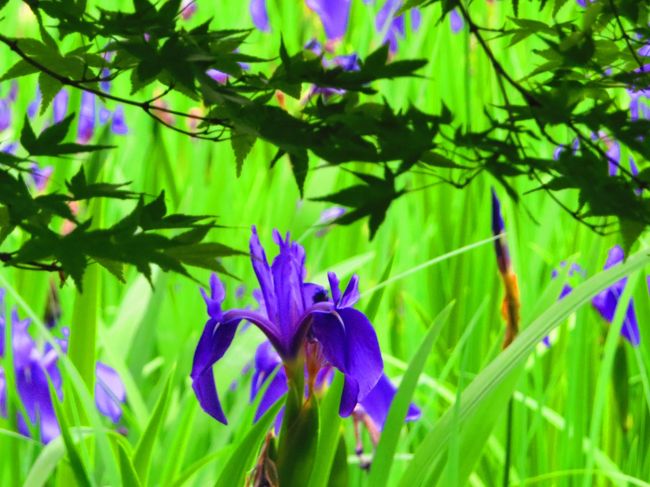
x=109, y=392
x=377, y=403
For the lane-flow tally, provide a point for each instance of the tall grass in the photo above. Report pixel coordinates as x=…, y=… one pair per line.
x=568, y=426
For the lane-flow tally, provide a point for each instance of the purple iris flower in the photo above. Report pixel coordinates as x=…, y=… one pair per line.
x=86, y=126
x=260, y=15
x=456, y=21
x=35, y=370
x=297, y=318
x=334, y=15
x=40, y=176
x=188, y=9
x=376, y=404
x=60, y=105
x=394, y=27
x=606, y=301
x=498, y=229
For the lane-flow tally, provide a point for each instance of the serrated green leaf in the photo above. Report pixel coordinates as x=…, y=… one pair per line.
x=242, y=144
x=49, y=88
x=21, y=68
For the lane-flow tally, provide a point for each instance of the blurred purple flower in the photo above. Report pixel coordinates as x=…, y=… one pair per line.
x=297, y=316
x=32, y=108
x=456, y=21
x=5, y=114
x=606, y=301
x=573, y=270
x=394, y=27
x=118, y=124
x=86, y=126
x=109, y=392
x=34, y=370
x=10, y=148
x=13, y=92
x=60, y=105
x=104, y=115
x=40, y=176
x=105, y=84
x=334, y=15
x=259, y=15
x=219, y=76
x=188, y=9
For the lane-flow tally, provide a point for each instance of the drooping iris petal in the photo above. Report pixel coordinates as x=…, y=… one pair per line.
x=60, y=105
x=86, y=126
x=378, y=401
x=606, y=301
x=259, y=15
x=109, y=392
x=350, y=344
x=333, y=14
x=214, y=342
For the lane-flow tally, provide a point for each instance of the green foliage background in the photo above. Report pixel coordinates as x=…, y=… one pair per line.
x=570, y=426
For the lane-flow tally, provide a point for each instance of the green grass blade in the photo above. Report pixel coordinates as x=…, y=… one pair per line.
x=375, y=301
x=127, y=469
x=74, y=456
x=498, y=379
x=242, y=456
x=385, y=453
x=146, y=444
x=49, y=458
x=329, y=431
